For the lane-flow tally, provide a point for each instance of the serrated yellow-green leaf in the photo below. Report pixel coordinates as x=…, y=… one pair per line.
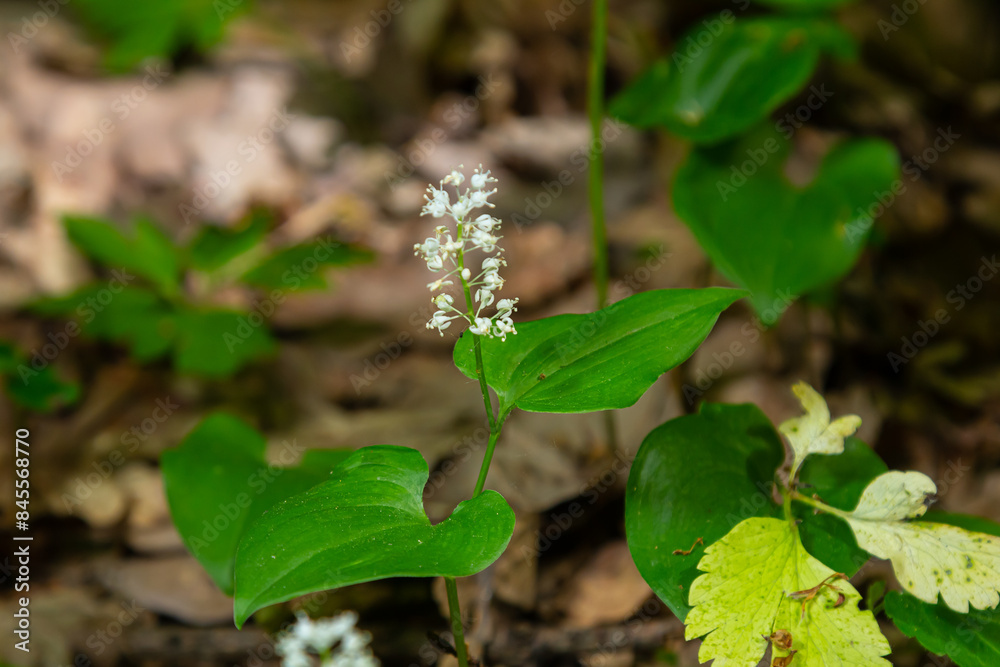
x=813, y=433
x=743, y=597
x=929, y=558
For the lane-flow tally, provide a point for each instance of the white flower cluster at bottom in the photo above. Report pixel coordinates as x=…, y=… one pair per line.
x=330, y=642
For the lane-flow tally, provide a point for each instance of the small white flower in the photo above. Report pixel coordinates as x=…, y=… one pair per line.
x=428, y=248
x=466, y=274
x=438, y=284
x=506, y=306
x=482, y=326
x=484, y=297
x=462, y=207
x=492, y=281
x=481, y=179
x=478, y=198
x=441, y=320
x=484, y=241
x=437, y=203
x=443, y=301
x=486, y=222
x=456, y=177
x=450, y=247
x=502, y=327
x=435, y=263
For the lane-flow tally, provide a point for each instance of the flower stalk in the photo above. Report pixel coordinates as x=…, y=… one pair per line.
x=443, y=252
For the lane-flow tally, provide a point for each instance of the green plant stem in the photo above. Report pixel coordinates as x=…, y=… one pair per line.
x=484, y=469
x=478, y=349
x=456, y=622
x=483, y=387
x=786, y=505
x=821, y=506
x=495, y=425
x=595, y=110
x=595, y=182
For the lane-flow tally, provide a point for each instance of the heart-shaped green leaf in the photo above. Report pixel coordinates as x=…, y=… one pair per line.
x=366, y=522
x=599, y=361
x=725, y=77
x=697, y=477
x=219, y=479
x=769, y=236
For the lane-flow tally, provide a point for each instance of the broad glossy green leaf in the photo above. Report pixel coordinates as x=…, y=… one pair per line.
x=303, y=266
x=769, y=236
x=838, y=481
x=214, y=247
x=366, y=522
x=149, y=253
x=725, y=78
x=216, y=343
x=970, y=640
x=599, y=361
x=219, y=479
x=697, y=477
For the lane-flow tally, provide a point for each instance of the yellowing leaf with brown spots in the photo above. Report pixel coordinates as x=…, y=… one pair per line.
x=929, y=558
x=756, y=588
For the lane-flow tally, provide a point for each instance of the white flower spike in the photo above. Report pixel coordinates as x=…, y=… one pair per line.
x=446, y=252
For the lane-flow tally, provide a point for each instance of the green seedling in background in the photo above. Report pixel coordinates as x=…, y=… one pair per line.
x=163, y=29
x=765, y=234
x=726, y=76
x=32, y=385
x=158, y=301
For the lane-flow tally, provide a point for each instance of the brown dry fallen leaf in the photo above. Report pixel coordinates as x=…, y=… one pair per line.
x=607, y=590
